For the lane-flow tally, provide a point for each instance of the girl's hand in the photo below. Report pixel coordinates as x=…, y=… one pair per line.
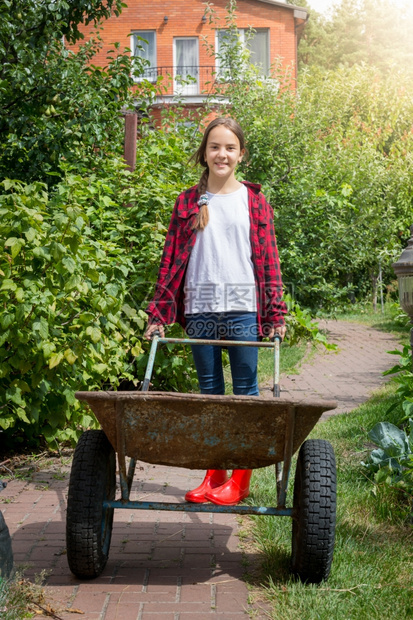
x=151, y=329
x=280, y=330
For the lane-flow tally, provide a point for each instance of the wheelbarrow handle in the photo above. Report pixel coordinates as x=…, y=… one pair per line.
x=277, y=341
x=275, y=344
x=151, y=360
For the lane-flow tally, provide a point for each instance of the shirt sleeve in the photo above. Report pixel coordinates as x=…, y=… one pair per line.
x=159, y=309
x=276, y=308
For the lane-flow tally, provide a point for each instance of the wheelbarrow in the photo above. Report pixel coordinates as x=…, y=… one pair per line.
x=199, y=431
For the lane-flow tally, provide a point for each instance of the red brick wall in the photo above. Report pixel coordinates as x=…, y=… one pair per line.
x=184, y=19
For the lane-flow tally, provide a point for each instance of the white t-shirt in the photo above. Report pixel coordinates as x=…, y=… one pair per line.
x=220, y=272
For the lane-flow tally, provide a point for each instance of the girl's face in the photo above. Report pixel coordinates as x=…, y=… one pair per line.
x=223, y=152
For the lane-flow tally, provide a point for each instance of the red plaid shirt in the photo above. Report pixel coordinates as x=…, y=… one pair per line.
x=167, y=305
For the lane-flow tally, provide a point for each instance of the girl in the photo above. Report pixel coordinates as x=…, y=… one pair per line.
x=220, y=279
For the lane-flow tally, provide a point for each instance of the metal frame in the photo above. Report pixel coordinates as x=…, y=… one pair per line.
x=282, y=472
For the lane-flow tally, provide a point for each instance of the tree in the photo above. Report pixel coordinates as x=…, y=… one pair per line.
x=56, y=105
x=375, y=32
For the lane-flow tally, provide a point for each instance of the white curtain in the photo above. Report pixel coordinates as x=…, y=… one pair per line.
x=186, y=61
x=258, y=46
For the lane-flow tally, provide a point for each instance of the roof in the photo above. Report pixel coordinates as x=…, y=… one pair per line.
x=284, y=5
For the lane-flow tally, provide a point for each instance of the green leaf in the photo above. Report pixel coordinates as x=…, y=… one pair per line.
x=70, y=397
x=41, y=326
x=8, y=285
x=112, y=289
x=7, y=320
x=22, y=415
x=390, y=438
x=100, y=368
x=55, y=360
x=69, y=264
x=22, y=385
x=86, y=317
x=17, y=247
x=130, y=312
x=93, y=275
x=94, y=333
x=136, y=350
x=73, y=282
x=14, y=394
x=7, y=422
x=4, y=369
x=30, y=234
x=70, y=356
x=11, y=242
x=19, y=294
x=48, y=348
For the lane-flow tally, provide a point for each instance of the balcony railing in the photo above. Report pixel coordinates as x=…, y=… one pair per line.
x=193, y=80
x=184, y=79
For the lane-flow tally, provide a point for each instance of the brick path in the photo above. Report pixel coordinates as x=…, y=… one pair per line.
x=173, y=566
x=350, y=374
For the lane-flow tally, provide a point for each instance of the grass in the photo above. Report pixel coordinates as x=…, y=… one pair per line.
x=20, y=598
x=290, y=359
x=371, y=576
x=385, y=321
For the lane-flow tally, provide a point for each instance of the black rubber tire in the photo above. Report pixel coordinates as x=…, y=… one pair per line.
x=88, y=524
x=314, y=518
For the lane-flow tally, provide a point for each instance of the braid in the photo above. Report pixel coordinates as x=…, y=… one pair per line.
x=203, y=182
x=202, y=218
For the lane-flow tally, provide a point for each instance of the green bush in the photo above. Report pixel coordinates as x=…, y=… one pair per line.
x=391, y=463
x=78, y=265
x=404, y=380
x=64, y=322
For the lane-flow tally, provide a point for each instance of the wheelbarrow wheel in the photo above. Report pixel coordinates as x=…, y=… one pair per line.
x=314, y=517
x=88, y=523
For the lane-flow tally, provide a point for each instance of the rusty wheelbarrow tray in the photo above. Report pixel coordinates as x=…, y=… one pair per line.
x=194, y=431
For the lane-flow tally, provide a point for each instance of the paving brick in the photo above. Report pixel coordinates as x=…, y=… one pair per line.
x=348, y=375
x=121, y=611
x=158, y=616
x=194, y=608
x=89, y=601
x=231, y=601
x=193, y=593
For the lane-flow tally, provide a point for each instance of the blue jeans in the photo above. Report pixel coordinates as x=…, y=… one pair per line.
x=208, y=358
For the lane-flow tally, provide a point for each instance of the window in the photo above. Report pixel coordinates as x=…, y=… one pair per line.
x=257, y=41
x=144, y=46
x=186, y=65
x=258, y=45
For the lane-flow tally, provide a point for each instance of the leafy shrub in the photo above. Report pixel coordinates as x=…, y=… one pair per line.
x=404, y=381
x=64, y=321
x=301, y=325
x=77, y=267
x=392, y=461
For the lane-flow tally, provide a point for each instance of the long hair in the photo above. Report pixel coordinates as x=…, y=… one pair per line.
x=198, y=157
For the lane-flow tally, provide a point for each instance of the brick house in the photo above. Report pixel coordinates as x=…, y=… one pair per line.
x=170, y=35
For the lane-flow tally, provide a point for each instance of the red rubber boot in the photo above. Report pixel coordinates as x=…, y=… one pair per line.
x=233, y=491
x=213, y=479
